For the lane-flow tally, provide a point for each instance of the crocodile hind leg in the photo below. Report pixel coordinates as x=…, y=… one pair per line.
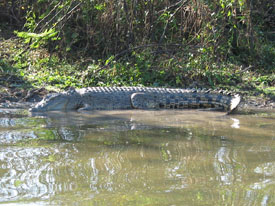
x=144, y=101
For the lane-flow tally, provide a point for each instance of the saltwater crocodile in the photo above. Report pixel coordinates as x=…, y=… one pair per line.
x=110, y=98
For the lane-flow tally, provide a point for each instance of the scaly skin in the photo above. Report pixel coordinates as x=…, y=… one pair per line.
x=111, y=98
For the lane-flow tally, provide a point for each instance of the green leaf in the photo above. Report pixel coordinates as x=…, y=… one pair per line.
x=229, y=13
x=99, y=7
x=17, y=183
x=111, y=58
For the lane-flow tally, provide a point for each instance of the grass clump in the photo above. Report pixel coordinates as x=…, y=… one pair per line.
x=72, y=43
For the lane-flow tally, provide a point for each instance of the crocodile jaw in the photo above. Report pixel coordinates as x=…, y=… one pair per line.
x=53, y=102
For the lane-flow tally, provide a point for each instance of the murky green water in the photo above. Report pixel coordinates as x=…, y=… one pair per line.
x=137, y=158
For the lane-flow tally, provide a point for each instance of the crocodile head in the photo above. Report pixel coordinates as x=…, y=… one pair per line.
x=57, y=102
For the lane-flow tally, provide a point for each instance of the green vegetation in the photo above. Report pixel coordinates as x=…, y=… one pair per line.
x=227, y=44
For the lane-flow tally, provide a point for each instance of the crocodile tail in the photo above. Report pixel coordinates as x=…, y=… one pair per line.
x=201, y=99
x=234, y=103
